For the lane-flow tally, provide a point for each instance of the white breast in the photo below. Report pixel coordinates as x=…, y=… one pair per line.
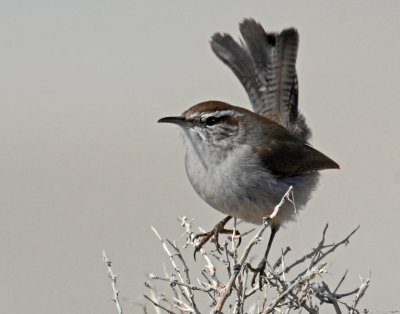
x=236, y=183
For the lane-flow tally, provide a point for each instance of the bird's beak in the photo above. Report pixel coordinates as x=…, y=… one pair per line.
x=181, y=121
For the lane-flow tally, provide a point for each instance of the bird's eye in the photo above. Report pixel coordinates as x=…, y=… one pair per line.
x=211, y=121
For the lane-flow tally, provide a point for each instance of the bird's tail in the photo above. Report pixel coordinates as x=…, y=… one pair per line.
x=265, y=64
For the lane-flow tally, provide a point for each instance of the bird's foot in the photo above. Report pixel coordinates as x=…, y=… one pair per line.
x=215, y=232
x=260, y=272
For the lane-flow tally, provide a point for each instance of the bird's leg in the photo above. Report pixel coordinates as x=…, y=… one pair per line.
x=260, y=270
x=218, y=229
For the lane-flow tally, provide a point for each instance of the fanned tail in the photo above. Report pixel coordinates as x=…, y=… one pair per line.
x=265, y=64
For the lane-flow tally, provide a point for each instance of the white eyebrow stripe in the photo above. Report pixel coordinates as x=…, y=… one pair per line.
x=220, y=113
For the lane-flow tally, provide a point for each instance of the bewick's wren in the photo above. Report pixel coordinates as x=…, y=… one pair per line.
x=241, y=162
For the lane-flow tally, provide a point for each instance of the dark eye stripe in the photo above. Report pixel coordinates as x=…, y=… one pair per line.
x=214, y=120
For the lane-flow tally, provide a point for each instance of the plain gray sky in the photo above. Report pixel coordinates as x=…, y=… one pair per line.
x=85, y=167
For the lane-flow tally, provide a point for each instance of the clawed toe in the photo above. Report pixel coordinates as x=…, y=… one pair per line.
x=217, y=230
x=260, y=272
x=205, y=238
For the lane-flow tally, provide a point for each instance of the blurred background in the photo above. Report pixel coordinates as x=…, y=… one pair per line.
x=85, y=167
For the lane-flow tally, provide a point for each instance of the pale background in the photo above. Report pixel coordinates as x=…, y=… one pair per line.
x=85, y=167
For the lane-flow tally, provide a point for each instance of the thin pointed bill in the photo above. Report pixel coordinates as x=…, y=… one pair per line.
x=181, y=121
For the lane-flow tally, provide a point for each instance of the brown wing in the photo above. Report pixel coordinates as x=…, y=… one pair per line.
x=288, y=158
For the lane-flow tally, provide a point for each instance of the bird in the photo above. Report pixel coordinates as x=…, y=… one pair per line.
x=242, y=162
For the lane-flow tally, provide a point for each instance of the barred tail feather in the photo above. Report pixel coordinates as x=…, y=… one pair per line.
x=266, y=66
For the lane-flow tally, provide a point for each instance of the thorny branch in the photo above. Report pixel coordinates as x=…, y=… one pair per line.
x=223, y=278
x=113, y=283
x=305, y=289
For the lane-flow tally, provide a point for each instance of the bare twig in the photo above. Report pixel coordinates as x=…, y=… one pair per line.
x=113, y=283
x=316, y=253
x=364, y=286
x=188, y=291
x=305, y=278
x=341, y=281
x=223, y=278
x=156, y=304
